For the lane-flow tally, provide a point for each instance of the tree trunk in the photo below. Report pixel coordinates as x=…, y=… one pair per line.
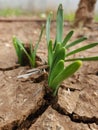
x=85, y=13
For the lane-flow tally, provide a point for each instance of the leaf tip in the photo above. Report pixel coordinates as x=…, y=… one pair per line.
x=79, y=62
x=60, y=6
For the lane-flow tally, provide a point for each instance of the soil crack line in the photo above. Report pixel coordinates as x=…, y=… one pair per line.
x=32, y=117
x=75, y=117
x=10, y=68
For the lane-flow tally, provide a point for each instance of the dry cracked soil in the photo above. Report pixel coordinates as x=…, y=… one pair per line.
x=23, y=101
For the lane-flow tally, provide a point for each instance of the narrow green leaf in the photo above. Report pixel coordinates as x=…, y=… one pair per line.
x=48, y=28
x=57, y=49
x=50, y=53
x=67, y=38
x=31, y=48
x=54, y=45
x=32, y=54
x=82, y=49
x=18, y=49
x=55, y=71
x=76, y=42
x=83, y=59
x=66, y=73
x=59, y=31
x=59, y=56
x=55, y=52
x=36, y=46
x=22, y=47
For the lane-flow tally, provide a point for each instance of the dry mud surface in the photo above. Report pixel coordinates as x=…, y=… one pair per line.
x=23, y=105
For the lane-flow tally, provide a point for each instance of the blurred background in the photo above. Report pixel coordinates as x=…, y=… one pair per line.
x=40, y=5
x=20, y=7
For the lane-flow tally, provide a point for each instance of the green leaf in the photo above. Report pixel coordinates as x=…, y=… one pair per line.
x=76, y=42
x=57, y=49
x=55, y=71
x=83, y=59
x=66, y=73
x=82, y=49
x=55, y=53
x=19, y=43
x=33, y=53
x=48, y=28
x=50, y=53
x=31, y=48
x=18, y=49
x=67, y=38
x=59, y=30
x=58, y=56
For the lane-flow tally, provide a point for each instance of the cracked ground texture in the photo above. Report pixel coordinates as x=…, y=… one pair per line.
x=22, y=102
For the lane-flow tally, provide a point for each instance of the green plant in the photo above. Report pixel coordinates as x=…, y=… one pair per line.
x=58, y=53
x=21, y=50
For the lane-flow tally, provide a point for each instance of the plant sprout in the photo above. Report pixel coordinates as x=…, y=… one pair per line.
x=58, y=53
x=21, y=50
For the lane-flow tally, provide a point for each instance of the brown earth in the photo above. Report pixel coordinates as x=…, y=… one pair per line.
x=23, y=104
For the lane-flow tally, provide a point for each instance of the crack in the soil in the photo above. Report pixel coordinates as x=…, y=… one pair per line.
x=96, y=73
x=49, y=100
x=10, y=68
x=32, y=117
x=75, y=117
